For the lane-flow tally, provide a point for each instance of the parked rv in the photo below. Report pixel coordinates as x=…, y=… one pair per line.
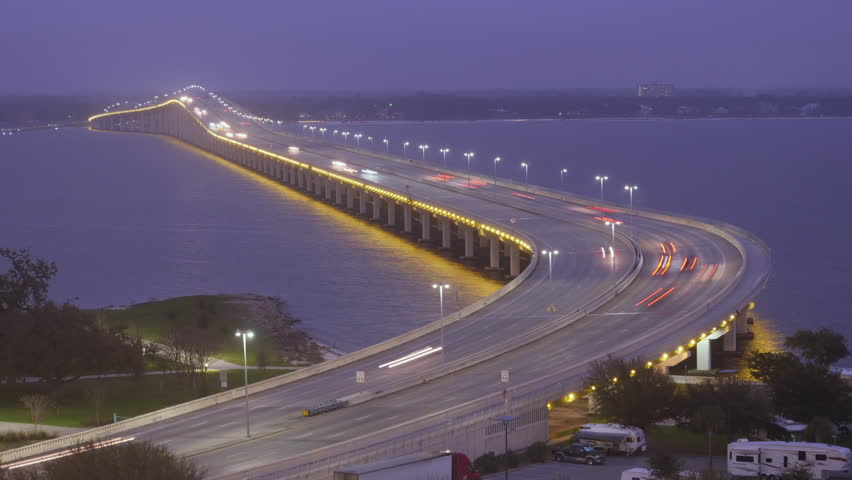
x=768, y=460
x=612, y=438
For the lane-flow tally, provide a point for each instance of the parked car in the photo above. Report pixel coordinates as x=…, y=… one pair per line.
x=578, y=453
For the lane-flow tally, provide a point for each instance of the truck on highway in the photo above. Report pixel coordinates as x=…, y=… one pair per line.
x=442, y=465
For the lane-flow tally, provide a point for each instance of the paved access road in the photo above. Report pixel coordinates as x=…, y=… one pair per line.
x=215, y=437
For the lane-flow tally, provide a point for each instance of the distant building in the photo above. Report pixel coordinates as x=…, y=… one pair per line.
x=655, y=90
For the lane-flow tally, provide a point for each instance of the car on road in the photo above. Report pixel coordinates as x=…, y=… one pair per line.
x=578, y=453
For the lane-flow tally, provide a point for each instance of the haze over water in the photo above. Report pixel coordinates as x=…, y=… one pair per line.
x=131, y=217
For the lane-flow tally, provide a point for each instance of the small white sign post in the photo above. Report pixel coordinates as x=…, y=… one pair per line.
x=504, y=378
x=359, y=376
x=223, y=378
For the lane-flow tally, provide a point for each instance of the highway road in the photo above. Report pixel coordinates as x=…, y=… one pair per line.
x=624, y=326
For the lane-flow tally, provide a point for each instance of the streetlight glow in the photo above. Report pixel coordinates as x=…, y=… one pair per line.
x=550, y=254
x=441, y=288
x=630, y=189
x=526, y=175
x=246, y=334
x=445, y=151
x=602, y=179
x=468, y=155
x=496, y=161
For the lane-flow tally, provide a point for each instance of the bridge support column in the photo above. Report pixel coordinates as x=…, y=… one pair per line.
x=494, y=252
x=729, y=342
x=406, y=218
x=483, y=240
x=446, y=234
x=514, y=260
x=426, y=226
x=702, y=354
x=377, y=208
x=326, y=182
x=469, y=244
x=291, y=172
x=742, y=323
x=391, y=212
x=338, y=193
x=362, y=202
x=350, y=197
x=300, y=179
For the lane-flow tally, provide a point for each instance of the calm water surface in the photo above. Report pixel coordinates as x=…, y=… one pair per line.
x=132, y=217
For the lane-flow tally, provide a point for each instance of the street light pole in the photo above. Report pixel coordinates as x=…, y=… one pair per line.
x=246, y=334
x=423, y=149
x=562, y=180
x=468, y=155
x=526, y=176
x=441, y=288
x=404, y=147
x=550, y=254
x=387, y=145
x=613, y=230
x=322, y=131
x=602, y=179
x=357, y=138
x=630, y=189
x=506, y=419
x=496, y=161
x=445, y=151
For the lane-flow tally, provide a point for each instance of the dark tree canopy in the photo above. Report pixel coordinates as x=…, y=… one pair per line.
x=127, y=461
x=629, y=393
x=24, y=286
x=801, y=390
x=664, y=466
x=822, y=346
x=743, y=407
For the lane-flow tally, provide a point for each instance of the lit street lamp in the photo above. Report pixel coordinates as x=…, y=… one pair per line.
x=345, y=136
x=550, y=254
x=441, y=288
x=562, y=180
x=404, y=147
x=246, y=334
x=468, y=155
x=526, y=175
x=322, y=131
x=357, y=139
x=387, y=145
x=630, y=189
x=496, y=161
x=613, y=224
x=602, y=179
x=445, y=151
x=423, y=149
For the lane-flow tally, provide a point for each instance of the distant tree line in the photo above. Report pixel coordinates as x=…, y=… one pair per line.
x=426, y=106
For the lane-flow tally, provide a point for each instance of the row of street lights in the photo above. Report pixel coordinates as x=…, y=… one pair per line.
x=468, y=156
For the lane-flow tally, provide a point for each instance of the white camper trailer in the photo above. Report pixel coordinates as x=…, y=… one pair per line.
x=612, y=437
x=768, y=460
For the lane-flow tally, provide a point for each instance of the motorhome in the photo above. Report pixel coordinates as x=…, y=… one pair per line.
x=768, y=460
x=612, y=437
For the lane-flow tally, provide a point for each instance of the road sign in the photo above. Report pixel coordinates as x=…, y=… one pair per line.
x=223, y=378
x=359, y=376
x=504, y=376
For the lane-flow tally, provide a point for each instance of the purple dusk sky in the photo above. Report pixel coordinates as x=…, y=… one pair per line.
x=111, y=46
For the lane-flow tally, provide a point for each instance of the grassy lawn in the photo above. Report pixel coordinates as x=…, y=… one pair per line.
x=221, y=314
x=680, y=441
x=126, y=396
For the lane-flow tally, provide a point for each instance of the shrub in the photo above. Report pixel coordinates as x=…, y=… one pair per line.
x=538, y=452
x=511, y=458
x=486, y=464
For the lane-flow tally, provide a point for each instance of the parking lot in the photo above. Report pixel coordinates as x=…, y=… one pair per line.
x=610, y=470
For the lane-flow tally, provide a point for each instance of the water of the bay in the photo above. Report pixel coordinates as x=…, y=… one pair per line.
x=132, y=217
x=786, y=180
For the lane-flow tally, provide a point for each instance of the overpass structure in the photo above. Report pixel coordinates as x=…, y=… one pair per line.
x=656, y=286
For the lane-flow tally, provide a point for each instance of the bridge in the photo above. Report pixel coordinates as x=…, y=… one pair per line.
x=630, y=283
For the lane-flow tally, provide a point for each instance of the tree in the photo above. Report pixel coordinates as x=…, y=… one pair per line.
x=801, y=390
x=664, y=466
x=824, y=346
x=128, y=461
x=629, y=393
x=24, y=286
x=709, y=418
x=799, y=471
x=37, y=404
x=819, y=430
x=745, y=408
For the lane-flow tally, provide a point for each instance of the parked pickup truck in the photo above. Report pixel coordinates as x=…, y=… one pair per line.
x=578, y=454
